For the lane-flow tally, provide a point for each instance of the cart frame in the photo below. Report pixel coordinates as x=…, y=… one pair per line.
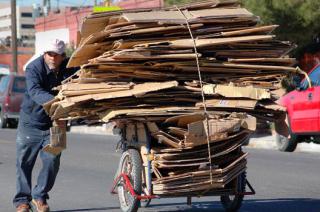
x=124, y=180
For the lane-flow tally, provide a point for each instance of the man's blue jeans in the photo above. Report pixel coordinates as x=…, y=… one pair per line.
x=30, y=142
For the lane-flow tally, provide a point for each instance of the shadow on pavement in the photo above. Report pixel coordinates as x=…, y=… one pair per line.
x=284, y=204
x=261, y=205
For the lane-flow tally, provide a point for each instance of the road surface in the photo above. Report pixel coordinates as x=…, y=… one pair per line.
x=283, y=181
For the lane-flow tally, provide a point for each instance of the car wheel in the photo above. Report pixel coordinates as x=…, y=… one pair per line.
x=3, y=120
x=286, y=140
x=287, y=144
x=12, y=123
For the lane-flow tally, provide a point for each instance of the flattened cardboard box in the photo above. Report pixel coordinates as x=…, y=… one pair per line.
x=237, y=92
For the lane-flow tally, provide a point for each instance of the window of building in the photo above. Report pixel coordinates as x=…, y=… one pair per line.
x=26, y=15
x=27, y=26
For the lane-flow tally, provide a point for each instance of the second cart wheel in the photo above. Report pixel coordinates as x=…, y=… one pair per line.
x=131, y=165
x=232, y=203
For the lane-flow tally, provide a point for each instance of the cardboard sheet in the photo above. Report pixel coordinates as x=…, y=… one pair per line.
x=237, y=92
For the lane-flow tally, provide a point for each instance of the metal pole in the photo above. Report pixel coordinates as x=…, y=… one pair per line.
x=148, y=174
x=14, y=48
x=49, y=6
x=95, y=2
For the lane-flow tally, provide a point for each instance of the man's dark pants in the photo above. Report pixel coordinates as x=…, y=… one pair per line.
x=30, y=142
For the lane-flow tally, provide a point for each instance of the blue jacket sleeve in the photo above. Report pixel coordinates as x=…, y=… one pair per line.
x=34, y=86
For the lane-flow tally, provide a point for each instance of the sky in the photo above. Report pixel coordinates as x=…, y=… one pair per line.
x=75, y=3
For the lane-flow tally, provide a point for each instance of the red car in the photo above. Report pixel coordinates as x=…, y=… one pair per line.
x=303, y=114
x=12, y=88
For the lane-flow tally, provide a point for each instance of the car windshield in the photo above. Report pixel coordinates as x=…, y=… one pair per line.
x=19, y=85
x=314, y=78
x=4, y=81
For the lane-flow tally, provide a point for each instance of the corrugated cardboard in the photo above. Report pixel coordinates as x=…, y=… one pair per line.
x=237, y=92
x=229, y=103
x=58, y=140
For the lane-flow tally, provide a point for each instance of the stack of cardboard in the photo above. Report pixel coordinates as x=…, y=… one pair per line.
x=180, y=157
x=140, y=68
x=144, y=59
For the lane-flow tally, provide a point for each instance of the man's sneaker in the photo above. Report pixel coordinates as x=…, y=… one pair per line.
x=23, y=207
x=41, y=205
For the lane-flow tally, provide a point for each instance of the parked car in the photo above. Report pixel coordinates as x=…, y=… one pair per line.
x=12, y=88
x=303, y=114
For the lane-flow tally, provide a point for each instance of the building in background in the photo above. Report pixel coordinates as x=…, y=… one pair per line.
x=133, y=4
x=25, y=25
x=63, y=25
x=66, y=24
x=24, y=54
x=25, y=37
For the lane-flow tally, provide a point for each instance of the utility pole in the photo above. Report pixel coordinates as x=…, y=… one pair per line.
x=14, y=48
x=49, y=6
x=95, y=2
x=46, y=4
x=58, y=6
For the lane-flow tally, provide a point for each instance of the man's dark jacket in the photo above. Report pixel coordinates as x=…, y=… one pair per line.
x=40, y=80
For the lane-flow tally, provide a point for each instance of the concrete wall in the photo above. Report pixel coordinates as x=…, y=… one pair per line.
x=5, y=22
x=24, y=54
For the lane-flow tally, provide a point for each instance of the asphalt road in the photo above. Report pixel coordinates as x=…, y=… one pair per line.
x=283, y=181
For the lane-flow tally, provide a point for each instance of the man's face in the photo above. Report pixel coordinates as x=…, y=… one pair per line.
x=53, y=60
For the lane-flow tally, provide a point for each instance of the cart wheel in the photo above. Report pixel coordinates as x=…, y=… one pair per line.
x=130, y=164
x=3, y=120
x=232, y=203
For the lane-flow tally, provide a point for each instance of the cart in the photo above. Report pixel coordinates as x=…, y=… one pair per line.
x=133, y=179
